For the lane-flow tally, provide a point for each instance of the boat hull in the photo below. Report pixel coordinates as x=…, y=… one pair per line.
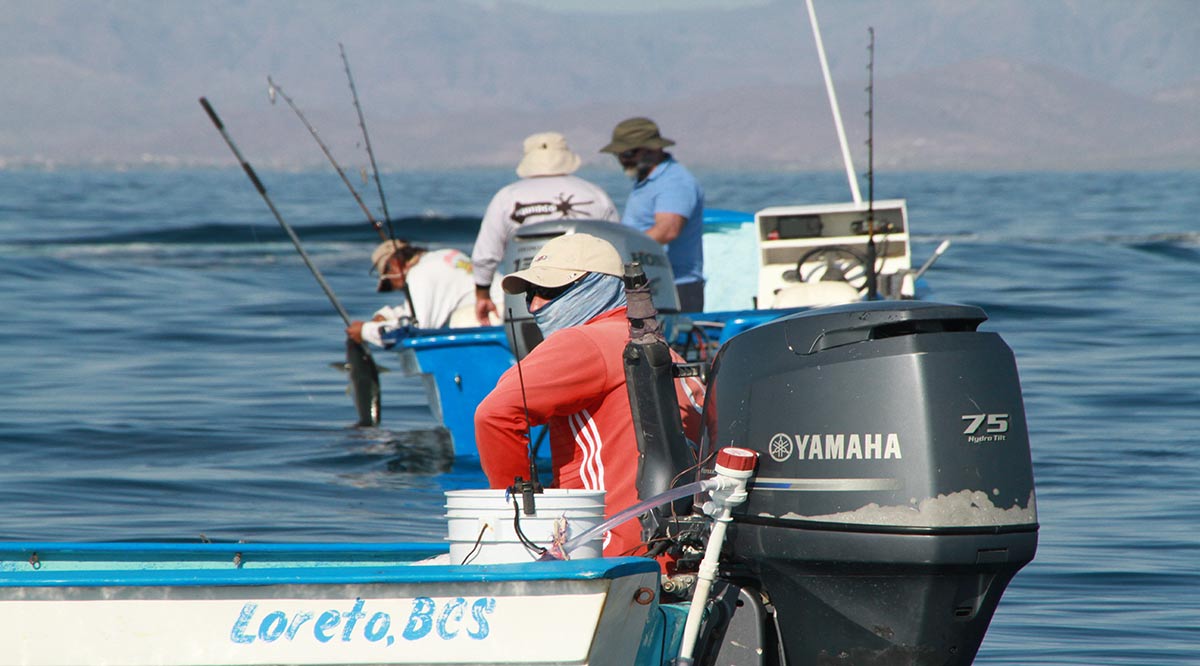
x=164, y=604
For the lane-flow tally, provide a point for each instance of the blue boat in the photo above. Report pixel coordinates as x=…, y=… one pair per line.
x=807, y=257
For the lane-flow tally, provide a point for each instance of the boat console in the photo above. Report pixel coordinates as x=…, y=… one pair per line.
x=817, y=255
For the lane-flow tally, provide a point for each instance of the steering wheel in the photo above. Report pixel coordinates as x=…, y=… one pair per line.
x=834, y=263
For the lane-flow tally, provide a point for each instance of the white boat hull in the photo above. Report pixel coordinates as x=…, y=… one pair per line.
x=595, y=610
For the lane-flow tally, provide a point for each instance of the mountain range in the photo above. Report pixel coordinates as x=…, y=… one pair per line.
x=958, y=84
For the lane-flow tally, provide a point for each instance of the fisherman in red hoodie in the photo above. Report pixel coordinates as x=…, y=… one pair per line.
x=575, y=381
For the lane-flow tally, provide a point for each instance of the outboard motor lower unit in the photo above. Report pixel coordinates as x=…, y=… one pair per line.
x=894, y=498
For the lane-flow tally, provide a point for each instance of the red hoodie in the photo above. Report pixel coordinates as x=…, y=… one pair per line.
x=575, y=381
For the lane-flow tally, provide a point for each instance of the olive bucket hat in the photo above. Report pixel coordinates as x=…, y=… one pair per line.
x=636, y=133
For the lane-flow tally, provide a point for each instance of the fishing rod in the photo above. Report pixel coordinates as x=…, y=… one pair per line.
x=365, y=375
x=872, y=273
x=212, y=114
x=362, y=123
x=274, y=88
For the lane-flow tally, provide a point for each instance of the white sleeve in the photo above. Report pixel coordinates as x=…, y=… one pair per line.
x=607, y=207
x=489, y=244
x=372, y=333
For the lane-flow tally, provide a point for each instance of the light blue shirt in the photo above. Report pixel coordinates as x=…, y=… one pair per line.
x=670, y=188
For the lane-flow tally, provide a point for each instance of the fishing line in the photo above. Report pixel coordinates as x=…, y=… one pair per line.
x=367, y=140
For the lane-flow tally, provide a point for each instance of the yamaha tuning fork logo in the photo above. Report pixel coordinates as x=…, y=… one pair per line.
x=781, y=447
x=835, y=446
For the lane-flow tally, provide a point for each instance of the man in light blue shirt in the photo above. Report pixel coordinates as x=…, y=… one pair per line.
x=666, y=203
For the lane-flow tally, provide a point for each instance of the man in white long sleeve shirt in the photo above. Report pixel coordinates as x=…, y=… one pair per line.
x=546, y=191
x=439, y=290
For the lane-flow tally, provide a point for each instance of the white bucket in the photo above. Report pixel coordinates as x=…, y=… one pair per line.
x=482, y=532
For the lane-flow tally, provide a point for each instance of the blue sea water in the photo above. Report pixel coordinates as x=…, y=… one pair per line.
x=166, y=369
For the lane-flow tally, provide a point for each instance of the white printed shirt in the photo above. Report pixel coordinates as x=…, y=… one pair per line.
x=534, y=200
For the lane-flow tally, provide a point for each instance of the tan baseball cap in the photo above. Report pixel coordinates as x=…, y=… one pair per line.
x=383, y=252
x=563, y=260
x=379, y=258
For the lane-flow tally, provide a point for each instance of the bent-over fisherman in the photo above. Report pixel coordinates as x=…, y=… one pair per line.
x=439, y=288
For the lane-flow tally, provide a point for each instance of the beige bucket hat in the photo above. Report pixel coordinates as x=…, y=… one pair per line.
x=547, y=154
x=563, y=260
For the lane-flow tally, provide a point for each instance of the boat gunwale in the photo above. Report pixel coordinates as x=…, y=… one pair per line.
x=154, y=564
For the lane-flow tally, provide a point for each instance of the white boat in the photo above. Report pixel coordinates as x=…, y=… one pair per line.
x=175, y=604
x=892, y=503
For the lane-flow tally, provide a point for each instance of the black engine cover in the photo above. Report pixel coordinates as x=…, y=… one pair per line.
x=894, y=495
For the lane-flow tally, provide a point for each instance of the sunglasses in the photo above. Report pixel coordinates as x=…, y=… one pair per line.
x=629, y=154
x=545, y=293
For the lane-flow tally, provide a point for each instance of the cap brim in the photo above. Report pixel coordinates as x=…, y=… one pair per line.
x=542, y=276
x=618, y=147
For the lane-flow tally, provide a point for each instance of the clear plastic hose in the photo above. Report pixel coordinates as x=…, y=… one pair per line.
x=638, y=509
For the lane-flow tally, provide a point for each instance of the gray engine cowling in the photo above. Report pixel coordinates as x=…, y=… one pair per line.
x=894, y=495
x=631, y=244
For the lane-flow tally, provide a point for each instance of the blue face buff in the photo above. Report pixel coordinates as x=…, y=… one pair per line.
x=592, y=295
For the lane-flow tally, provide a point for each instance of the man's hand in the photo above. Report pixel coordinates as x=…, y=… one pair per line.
x=485, y=311
x=354, y=331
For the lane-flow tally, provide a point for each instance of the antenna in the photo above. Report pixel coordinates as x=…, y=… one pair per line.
x=872, y=275
x=533, y=485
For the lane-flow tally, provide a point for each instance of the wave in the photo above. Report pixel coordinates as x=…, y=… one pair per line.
x=1142, y=241
x=420, y=229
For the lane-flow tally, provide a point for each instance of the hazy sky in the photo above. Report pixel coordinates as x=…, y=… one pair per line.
x=631, y=6
x=100, y=80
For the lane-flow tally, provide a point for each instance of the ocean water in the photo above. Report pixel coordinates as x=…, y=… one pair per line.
x=166, y=369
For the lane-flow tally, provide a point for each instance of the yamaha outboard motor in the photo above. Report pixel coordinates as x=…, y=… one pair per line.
x=631, y=244
x=894, y=498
